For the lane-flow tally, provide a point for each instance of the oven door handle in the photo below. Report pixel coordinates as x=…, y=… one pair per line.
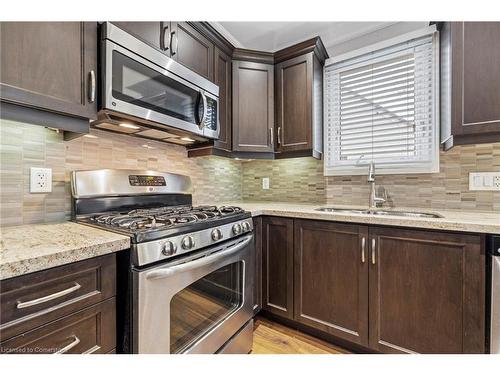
x=200, y=262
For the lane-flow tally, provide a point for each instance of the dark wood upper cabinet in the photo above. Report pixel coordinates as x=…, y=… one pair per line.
x=277, y=103
x=470, y=82
x=277, y=266
x=253, y=106
x=179, y=41
x=331, y=278
x=50, y=66
x=427, y=292
x=299, y=105
x=294, y=103
x=190, y=48
x=156, y=34
x=222, y=78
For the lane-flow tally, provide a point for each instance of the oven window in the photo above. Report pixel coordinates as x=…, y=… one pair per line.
x=203, y=304
x=138, y=84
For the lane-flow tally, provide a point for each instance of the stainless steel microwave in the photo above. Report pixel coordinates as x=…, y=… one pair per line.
x=142, y=83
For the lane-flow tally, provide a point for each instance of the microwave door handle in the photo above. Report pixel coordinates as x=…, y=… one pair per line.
x=205, y=109
x=200, y=262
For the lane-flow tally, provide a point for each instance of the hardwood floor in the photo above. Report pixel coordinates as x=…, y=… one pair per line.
x=273, y=338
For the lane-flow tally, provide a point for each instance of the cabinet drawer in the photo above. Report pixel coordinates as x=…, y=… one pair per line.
x=35, y=299
x=88, y=331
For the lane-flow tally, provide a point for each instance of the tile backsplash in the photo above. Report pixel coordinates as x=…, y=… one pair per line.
x=217, y=179
x=302, y=180
x=23, y=146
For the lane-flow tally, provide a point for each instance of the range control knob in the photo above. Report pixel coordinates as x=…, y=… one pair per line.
x=216, y=235
x=187, y=242
x=169, y=248
x=245, y=226
x=237, y=228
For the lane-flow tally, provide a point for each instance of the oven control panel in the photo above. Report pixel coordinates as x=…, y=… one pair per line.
x=153, y=251
x=142, y=180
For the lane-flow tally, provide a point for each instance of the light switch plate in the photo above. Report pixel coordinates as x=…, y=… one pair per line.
x=265, y=183
x=489, y=181
x=40, y=180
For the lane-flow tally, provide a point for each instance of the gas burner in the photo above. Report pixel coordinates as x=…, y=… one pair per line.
x=228, y=210
x=142, y=219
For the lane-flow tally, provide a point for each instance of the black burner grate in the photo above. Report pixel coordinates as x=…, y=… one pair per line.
x=164, y=217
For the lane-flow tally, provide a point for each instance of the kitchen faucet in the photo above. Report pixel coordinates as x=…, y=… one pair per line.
x=374, y=200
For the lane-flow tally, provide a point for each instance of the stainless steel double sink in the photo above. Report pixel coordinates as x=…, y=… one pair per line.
x=380, y=212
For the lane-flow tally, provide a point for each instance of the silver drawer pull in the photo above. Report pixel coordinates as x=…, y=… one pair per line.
x=363, y=245
x=71, y=345
x=92, y=84
x=33, y=302
x=373, y=251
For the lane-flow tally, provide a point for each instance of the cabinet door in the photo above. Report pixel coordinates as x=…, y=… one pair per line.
x=50, y=65
x=192, y=49
x=277, y=266
x=294, y=80
x=253, y=106
x=257, y=296
x=222, y=76
x=427, y=292
x=156, y=34
x=476, y=77
x=331, y=278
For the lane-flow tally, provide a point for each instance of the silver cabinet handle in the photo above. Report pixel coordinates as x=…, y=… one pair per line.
x=363, y=245
x=33, y=302
x=71, y=345
x=92, y=86
x=373, y=251
x=279, y=136
x=173, y=51
x=271, y=136
x=165, y=45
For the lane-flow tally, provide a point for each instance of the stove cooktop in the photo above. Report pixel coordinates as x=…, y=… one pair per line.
x=154, y=223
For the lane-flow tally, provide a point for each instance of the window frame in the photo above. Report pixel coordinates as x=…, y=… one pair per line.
x=376, y=52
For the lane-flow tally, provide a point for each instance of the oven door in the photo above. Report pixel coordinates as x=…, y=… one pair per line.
x=197, y=304
x=135, y=86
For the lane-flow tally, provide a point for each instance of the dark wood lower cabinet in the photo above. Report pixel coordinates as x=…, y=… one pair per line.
x=70, y=309
x=331, y=278
x=277, y=266
x=426, y=292
x=387, y=289
x=92, y=330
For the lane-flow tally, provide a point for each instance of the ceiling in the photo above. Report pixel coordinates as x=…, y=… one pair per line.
x=272, y=36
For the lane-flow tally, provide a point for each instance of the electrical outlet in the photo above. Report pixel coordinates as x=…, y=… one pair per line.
x=265, y=183
x=484, y=181
x=40, y=180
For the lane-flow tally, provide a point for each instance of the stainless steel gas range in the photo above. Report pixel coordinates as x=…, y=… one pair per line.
x=186, y=284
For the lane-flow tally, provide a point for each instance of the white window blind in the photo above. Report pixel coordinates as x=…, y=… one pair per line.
x=382, y=107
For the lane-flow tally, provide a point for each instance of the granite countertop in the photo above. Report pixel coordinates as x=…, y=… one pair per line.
x=30, y=248
x=452, y=220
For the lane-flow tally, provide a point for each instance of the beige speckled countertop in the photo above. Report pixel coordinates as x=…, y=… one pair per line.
x=452, y=220
x=30, y=248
